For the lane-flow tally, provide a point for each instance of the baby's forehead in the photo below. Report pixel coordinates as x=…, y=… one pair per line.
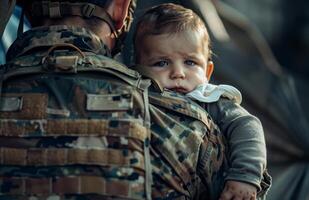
x=185, y=44
x=192, y=37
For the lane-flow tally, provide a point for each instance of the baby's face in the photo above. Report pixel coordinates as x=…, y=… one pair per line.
x=179, y=62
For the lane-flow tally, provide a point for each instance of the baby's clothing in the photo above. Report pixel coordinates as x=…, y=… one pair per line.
x=209, y=93
x=243, y=131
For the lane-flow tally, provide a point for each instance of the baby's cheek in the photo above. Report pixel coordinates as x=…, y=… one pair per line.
x=163, y=80
x=201, y=79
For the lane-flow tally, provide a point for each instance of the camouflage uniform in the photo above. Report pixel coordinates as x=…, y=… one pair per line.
x=74, y=124
x=187, y=148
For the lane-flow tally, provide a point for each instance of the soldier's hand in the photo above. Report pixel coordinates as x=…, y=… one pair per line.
x=234, y=190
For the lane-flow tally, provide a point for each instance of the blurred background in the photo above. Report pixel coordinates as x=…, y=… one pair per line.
x=262, y=48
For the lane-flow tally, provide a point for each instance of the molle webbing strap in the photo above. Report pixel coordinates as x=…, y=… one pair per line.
x=74, y=127
x=2, y=71
x=70, y=185
x=62, y=157
x=58, y=9
x=144, y=84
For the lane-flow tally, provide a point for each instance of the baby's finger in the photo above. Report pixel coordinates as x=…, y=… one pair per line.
x=253, y=197
x=249, y=197
x=225, y=195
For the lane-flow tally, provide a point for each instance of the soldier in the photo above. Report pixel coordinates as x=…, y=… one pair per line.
x=73, y=122
x=76, y=124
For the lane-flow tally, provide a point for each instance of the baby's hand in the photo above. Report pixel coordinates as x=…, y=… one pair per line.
x=235, y=190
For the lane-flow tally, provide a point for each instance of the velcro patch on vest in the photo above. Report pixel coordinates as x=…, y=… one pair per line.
x=23, y=106
x=11, y=104
x=109, y=102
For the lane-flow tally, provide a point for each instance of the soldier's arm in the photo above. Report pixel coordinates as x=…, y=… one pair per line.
x=245, y=139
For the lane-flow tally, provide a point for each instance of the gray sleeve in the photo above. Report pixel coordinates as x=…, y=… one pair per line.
x=245, y=138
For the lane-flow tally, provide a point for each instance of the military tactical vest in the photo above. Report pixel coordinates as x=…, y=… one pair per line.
x=73, y=126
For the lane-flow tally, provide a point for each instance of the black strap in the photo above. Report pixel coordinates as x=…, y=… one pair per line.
x=2, y=71
x=20, y=29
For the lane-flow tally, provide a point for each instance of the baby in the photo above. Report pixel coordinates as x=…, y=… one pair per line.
x=172, y=47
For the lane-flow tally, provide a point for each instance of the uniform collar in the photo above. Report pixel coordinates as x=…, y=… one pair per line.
x=48, y=36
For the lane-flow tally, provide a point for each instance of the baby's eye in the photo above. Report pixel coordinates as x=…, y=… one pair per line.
x=161, y=63
x=190, y=62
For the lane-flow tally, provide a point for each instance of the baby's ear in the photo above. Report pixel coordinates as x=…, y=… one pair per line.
x=209, y=69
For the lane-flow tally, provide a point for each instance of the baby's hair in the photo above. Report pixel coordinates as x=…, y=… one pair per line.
x=169, y=18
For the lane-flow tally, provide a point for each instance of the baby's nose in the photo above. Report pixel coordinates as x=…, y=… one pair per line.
x=177, y=72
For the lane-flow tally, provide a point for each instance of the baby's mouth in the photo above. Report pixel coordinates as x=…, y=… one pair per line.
x=179, y=89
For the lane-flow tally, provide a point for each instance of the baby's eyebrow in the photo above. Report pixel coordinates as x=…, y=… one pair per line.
x=155, y=58
x=197, y=55
x=193, y=56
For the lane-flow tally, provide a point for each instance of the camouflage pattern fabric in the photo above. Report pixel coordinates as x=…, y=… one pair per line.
x=49, y=36
x=75, y=125
x=187, y=147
